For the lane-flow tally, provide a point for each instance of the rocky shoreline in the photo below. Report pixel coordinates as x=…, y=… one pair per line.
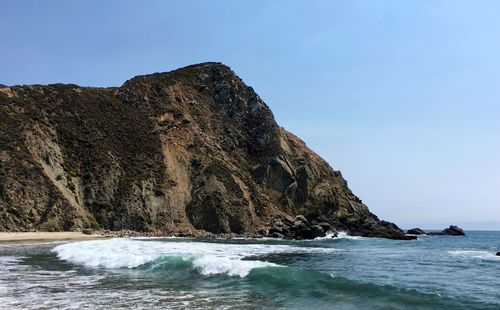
x=297, y=228
x=287, y=227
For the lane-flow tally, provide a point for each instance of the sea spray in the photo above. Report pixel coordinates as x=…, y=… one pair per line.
x=340, y=235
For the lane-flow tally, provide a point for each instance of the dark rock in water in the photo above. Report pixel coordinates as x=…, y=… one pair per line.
x=276, y=235
x=498, y=253
x=333, y=234
x=450, y=231
x=326, y=226
x=381, y=229
x=454, y=231
x=300, y=228
x=415, y=231
x=194, y=149
x=88, y=231
x=317, y=231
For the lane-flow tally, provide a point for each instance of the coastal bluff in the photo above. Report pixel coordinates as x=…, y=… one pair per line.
x=190, y=151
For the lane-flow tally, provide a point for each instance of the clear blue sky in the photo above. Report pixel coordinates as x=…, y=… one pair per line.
x=402, y=96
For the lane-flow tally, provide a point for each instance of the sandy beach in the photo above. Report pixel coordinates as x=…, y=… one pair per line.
x=46, y=236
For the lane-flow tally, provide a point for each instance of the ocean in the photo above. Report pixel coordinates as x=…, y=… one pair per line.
x=433, y=272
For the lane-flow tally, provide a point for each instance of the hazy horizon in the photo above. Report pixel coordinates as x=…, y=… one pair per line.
x=402, y=97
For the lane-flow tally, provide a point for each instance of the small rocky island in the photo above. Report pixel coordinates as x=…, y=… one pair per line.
x=450, y=231
x=415, y=231
x=190, y=152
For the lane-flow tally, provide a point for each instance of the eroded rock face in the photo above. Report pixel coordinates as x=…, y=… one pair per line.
x=188, y=150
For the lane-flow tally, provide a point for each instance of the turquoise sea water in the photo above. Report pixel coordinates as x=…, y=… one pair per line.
x=437, y=272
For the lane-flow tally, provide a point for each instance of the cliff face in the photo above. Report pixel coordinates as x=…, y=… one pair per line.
x=188, y=150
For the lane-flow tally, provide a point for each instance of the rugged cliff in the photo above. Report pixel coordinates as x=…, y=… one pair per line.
x=184, y=151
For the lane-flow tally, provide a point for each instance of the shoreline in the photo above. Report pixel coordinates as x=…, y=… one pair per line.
x=43, y=236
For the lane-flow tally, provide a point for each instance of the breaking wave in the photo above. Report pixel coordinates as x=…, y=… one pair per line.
x=341, y=235
x=206, y=258
x=481, y=254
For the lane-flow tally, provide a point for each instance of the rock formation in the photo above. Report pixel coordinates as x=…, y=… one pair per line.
x=186, y=151
x=415, y=231
x=450, y=231
x=298, y=228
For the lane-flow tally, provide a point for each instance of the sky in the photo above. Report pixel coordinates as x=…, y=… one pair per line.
x=403, y=97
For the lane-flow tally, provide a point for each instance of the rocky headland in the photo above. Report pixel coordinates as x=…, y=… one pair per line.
x=193, y=151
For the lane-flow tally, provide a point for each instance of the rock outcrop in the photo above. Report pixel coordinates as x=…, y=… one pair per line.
x=186, y=151
x=299, y=228
x=415, y=231
x=450, y=231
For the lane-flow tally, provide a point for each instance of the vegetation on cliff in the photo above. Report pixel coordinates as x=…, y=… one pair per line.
x=190, y=150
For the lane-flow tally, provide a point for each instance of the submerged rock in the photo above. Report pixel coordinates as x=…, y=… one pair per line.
x=415, y=231
x=450, y=231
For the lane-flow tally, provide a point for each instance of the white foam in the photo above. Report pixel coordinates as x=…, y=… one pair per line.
x=481, y=254
x=329, y=235
x=209, y=258
x=344, y=235
x=340, y=235
x=209, y=265
x=113, y=253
